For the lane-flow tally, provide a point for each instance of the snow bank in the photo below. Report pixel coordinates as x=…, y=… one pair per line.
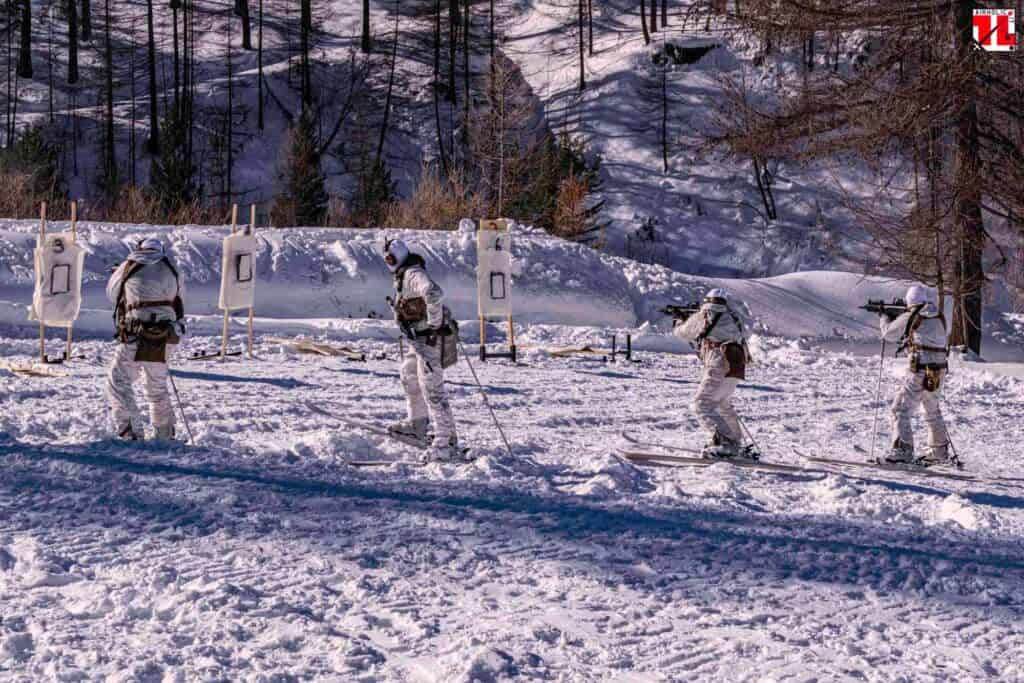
x=315, y=277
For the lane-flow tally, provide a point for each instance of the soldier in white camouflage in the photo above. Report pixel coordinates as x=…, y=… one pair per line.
x=427, y=326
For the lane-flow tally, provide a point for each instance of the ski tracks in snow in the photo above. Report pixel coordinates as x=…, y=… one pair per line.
x=258, y=555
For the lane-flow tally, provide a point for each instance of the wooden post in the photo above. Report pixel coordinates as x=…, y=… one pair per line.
x=227, y=313
x=74, y=239
x=252, y=309
x=483, y=338
x=42, y=241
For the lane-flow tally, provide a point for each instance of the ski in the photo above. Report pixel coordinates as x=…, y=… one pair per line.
x=647, y=457
x=374, y=429
x=889, y=467
x=212, y=356
x=36, y=369
x=320, y=349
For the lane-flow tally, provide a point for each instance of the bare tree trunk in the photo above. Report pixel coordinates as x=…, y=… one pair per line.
x=467, y=75
x=154, y=116
x=72, y=43
x=175, y=5
x=643, y=22
x=453, y=40
x=590, y=26
x=229, y=119
x=109, y=149
x=491, y=32
x=664, y=14
x=86, y=20
x=131, y=81
x=437, y=85
x=259, y=68
x=25, y=53
x=967, y=314
x=664, y=117
x=364, y=44
x=764, y=188
x=305, y=28
x=583, y=74
x=242, y=10
x=654, y=16
x=391, y=87
x=49, y=61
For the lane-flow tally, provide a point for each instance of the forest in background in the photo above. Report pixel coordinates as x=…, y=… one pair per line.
x=415, y=114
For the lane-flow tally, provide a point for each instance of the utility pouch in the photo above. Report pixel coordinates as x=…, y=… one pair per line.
x=450, y=341
x=932, y=379
x=411, y=310
x=736, y=358
x=151, y=341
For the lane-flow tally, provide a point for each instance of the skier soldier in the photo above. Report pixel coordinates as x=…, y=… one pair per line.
x=921, y=330
x=146, y=291
x=426, y=322
x=717, y=334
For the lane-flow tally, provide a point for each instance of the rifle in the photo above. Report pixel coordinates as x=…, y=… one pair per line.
x=891, y=310
x=402, y=324
x=680, y=313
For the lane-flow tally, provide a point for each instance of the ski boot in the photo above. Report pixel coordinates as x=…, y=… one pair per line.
x=938, y=455
x=411, y=432
x=446, y=451
x=721, y=447
x=749, y=452
x=900, y=454
x=127, y=432
x=165, y=434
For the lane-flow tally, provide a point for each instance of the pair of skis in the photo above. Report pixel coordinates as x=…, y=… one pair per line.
x=377, y=431
x=653, y=453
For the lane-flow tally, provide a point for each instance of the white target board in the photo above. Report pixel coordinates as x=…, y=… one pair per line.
x=494, y=269
x=238, y=272
x=58, y=294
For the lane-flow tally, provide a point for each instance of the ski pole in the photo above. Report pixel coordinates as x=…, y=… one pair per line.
x=743, y=425
x=487, y=403
x=878, y=393
x=181, y=408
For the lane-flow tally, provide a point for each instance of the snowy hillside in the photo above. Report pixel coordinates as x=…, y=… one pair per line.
x=701, y=216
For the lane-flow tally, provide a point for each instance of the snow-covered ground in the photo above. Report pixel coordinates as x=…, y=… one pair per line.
x=258, y=554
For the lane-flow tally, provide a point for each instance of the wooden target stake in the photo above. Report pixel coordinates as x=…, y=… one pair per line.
x=252, y=231
x=42, y=241
x=227, y=313
x=74, y=239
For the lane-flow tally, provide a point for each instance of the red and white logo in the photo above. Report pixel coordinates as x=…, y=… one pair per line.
x=995, y=30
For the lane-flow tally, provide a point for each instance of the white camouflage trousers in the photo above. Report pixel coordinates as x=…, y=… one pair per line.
x=124, y=372
x=712, y=404
x=423, y=380
x=909, y=395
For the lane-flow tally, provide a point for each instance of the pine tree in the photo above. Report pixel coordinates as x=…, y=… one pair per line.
x=302, y=195
x=171, y=177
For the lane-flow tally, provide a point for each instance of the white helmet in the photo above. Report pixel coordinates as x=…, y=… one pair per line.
x=919, y=295
x=716, y=296
x=395, y=254
x=150, y=244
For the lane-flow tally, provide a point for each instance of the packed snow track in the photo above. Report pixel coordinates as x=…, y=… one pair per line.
x=258, y=554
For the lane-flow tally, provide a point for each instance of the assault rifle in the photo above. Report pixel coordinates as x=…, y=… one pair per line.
x=680, y=314
x=891, y=310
